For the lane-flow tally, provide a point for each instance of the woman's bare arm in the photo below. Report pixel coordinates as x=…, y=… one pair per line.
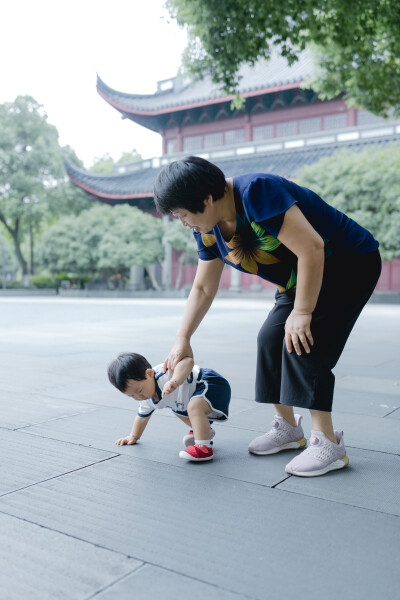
x=202, y=294
x=301, y=238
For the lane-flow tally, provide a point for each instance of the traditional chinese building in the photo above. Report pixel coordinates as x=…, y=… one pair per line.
x=281, y=127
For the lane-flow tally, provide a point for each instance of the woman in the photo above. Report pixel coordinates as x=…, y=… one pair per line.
x=325, y=266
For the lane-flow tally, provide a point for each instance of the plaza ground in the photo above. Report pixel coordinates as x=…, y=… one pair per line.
x=82, y=518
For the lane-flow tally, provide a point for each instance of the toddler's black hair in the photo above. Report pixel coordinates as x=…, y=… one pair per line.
x=127, y=365
x=187, y=183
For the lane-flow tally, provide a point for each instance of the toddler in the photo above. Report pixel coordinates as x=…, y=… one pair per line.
x=198, y=396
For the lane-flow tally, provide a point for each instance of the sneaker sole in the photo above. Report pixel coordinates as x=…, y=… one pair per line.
x=335, y=466
x=186, y=456
x=290, y=446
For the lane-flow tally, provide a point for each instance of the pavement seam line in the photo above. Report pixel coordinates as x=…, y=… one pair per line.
x=146, y=563
x=373, y=510
x=391, y=412
x=25, y=487
x=69, y=535
x=115, y=582
x=57, y=419
x=142, y=565
x=241, y=428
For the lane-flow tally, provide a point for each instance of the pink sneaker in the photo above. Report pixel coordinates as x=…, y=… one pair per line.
x=188, y=440
x=197, y=453
x=282, y=436
x=320, y=457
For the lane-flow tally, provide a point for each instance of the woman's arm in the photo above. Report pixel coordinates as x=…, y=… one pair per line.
x=301, y=238
x=204, y=289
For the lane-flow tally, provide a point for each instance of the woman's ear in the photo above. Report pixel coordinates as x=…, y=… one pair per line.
x=209, y=201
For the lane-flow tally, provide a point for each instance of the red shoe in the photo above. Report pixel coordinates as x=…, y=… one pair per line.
x=197, y=453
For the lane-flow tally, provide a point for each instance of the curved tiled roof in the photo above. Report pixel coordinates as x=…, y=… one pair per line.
x=139, y=184
x=119, y=186
x=265, y=77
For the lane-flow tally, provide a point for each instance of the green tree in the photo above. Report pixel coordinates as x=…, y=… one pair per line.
x=106, y=164
x=103, y=165
x=364, y=185
x=356, y=43
x=127, y=157
x=181, y=238
x=105, y=240
x=31, y=168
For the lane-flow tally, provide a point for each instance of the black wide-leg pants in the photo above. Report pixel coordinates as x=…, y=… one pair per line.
x=307, y=380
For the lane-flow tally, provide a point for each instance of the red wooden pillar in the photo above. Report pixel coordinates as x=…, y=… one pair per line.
x=247, y=129
x=351, y=117
x=179, y=140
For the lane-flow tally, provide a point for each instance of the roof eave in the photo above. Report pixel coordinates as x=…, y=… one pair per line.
x=108, y=196
x=179, y=107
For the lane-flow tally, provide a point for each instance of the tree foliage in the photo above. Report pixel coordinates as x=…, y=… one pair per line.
x=31, y=173
x=356, y=43
x=102, y=239
x=364, y=185
x=105, y=165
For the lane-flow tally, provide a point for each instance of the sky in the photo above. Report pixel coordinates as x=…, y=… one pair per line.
x=53, y=49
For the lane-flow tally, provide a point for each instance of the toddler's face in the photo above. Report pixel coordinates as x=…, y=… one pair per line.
x=142, y=389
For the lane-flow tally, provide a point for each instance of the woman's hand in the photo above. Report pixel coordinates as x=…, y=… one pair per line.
x=298, y=332
x=181, y=349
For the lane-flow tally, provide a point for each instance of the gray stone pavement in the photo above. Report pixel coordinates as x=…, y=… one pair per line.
x=82, y=518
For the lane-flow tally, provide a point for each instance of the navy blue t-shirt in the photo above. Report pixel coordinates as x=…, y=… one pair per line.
x=261, y=202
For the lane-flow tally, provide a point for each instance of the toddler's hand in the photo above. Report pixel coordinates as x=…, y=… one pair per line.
x=129, y=440
x=169, y=387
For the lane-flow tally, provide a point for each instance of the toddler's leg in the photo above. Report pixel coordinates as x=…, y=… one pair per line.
x=186, y=420
x=198, y=409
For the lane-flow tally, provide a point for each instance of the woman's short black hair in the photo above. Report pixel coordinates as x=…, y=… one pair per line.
x=187, y=183
x=127, y=365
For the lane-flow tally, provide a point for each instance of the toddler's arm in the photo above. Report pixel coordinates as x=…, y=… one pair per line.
x=181, y=372
x=139, y=425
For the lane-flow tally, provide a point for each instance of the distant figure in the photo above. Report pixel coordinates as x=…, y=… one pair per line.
x=325, y=266
x=198, y=396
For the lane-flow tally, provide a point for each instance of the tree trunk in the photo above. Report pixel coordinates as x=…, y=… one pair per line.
x=23, y=263
x=31, y=246
x=150, y=271
x=182, y=261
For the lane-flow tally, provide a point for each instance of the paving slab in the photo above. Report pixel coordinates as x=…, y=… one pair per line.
x=205, y=528
x=148, y=511
x=350, y=401
x=40, y=564
x=386, y=369
x=378, y=385
x=360, y=431
x=28, y=459
x=369, y=482
x=359, y=402
x=162, y=441
x=394, y=415
x=18, y=409
x=150, y=582
x=98, y=393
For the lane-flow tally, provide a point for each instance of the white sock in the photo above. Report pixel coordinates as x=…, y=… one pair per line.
x=203, y=442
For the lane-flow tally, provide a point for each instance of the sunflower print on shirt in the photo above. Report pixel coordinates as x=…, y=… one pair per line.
x=251, y=246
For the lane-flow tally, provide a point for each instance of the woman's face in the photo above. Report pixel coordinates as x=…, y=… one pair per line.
x=199, y=222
